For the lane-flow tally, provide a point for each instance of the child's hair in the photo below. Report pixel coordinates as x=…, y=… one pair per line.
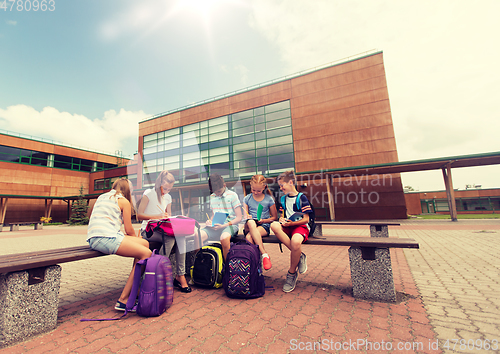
x=286, y=176
x=215, y=182
x=163, y=177
x=259, y=179
x=122, y=186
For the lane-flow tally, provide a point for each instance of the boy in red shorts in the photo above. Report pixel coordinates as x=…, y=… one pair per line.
x=292, y=233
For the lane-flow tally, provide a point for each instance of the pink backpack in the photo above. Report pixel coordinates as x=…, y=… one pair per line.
x=173, y=227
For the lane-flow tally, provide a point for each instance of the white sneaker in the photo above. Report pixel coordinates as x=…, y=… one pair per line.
x=290, y=281
x=302, y=264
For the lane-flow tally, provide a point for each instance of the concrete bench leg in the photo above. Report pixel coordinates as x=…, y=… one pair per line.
x=318, y=230
x=29, y=303
x=14, y=227
x=39, y=226
x=372, y=279
x=379, y=231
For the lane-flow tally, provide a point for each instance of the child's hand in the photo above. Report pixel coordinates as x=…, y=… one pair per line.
x=218, y=226
x=208, y=222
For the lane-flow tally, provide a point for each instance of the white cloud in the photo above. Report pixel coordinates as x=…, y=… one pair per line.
x=11, y=23
x=114, y=131
x=440, y=61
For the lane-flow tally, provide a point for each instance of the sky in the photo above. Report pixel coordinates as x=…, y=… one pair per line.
x=86, y=72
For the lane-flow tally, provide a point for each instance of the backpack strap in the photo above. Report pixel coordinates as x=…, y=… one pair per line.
x=297, y=201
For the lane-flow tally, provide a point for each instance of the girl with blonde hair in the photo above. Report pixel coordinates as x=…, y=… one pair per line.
x=255, y=228
x=111, y=210
x=156, y=203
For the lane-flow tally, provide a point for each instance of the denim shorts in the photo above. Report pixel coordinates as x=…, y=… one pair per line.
x=214, y=235
x=107, y=245
x=265, y=226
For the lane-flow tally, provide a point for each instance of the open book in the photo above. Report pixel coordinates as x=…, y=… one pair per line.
x=219, y=218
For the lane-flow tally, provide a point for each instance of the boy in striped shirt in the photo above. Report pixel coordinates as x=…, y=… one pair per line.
x=225, y=201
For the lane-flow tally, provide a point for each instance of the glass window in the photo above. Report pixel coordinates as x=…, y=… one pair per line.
x=244, y=139
x=242, y=115
x=148, y=144
x=258, y=139
x=277, y=115
x=243, y=123
x=219, y=143
x=172, y=132
x=150, y=137
x=279, y=132
x=278, y=123
x=279, y=141
x=258, y=111
x=217, y=129
x=279, y=150
x=276, y=159
x=243, y=147
x=243, y=131
x=217, y=121
x=220, y=158
x=219, y=136
x=190, y=127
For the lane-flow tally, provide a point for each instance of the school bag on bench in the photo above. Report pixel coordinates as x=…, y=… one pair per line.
x=208, y=265
x=155, y=287
x=243, y=277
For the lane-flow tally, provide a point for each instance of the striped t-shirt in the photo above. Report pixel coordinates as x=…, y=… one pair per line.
x=227, y=203
x=106, y=219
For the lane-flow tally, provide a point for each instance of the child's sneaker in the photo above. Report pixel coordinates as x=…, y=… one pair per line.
x=302, y=264
x=266, y=261
x=120, y=306
x=290, y=281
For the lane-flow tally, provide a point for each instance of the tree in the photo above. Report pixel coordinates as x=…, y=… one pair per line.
x=79, y=211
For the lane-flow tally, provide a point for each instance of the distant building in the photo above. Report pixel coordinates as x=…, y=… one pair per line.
x=468, y=201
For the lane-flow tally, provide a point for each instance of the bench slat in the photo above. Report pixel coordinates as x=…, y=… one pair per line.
x=30, y=260
x=375, y=223
x=377, y=242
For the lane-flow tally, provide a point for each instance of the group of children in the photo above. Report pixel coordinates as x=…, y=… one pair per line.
x=114, y=208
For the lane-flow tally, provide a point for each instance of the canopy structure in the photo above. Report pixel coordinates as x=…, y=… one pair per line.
x=444, y=164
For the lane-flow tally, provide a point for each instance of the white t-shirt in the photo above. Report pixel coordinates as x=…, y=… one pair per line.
x=154, y=207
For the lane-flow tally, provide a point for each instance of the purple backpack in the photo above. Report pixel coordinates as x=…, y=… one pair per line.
x=243, y=277
x=156, y=290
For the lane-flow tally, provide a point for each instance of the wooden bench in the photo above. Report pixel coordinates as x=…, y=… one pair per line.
x=369, y=257
x=15, y=225
x=29, y=290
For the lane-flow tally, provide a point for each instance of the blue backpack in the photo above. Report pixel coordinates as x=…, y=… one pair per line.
x=312, y=215
x=243, y=278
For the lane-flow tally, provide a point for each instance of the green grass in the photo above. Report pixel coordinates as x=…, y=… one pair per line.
x=460, y=216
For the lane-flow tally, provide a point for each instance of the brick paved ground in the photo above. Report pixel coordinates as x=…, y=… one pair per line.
x=452, y=270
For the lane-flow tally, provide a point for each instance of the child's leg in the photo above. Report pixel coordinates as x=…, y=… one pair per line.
x=180, y=260
x=225, y=241
x=280, y=234
x=132, y=247
x=256, y=232
x=295, y=251
x=136, y=247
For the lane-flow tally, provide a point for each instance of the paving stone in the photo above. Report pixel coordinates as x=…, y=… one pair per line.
x=449, y=282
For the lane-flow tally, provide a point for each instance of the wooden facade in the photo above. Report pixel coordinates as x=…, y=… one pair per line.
x=341, y=118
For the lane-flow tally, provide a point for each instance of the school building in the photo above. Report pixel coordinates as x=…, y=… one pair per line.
x=318, y=123
x=331, y=125
x=40, y=178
